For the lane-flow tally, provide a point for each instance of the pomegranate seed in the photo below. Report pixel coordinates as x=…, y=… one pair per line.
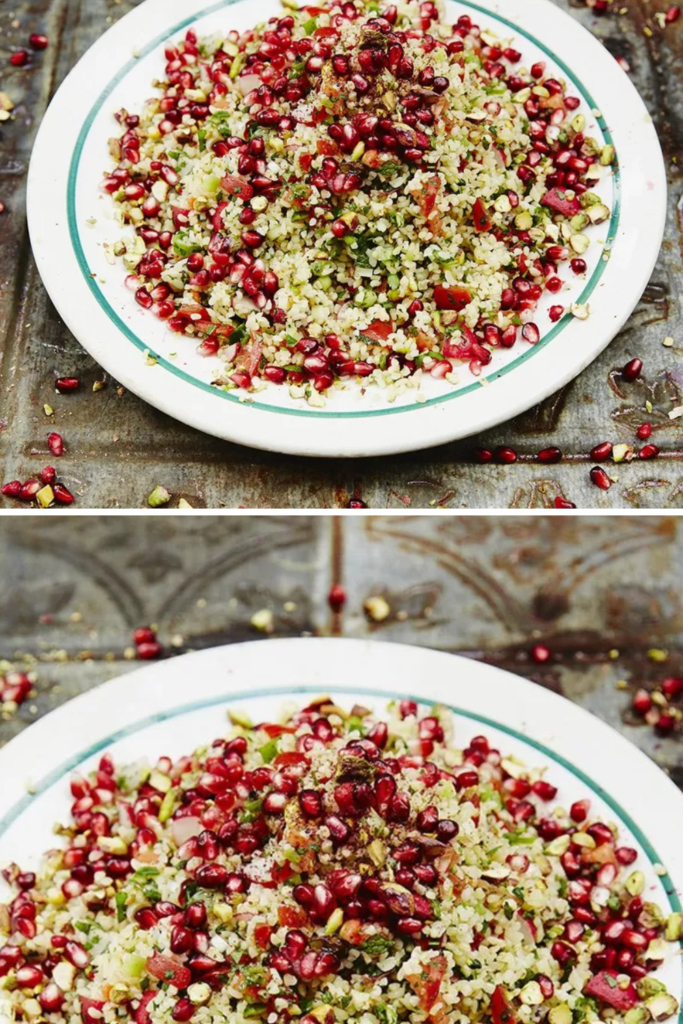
x=506, y=455
x=540, y=653
x=484, y=454
x=672, y=14
x=561, y=502
x=19, y=59
x=642, y=702
x=625, y=855
x=644, y=431
x=183, y=1010
x=63, y=384
x=600, y=479
x=338, y=829
x=29, y=976
x=55, y=443
x=649, y=451
x=578, y=811
x=550, y=455
x=544, y=790
x=601, y=452
x=38, y=42
x=12, y=489
x=531, y=333
x=632, y=369
x=672, y=687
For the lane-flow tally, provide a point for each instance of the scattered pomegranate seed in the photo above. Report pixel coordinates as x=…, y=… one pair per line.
x=55, y=443
x=484, y=454
x=601, y=452
x=2, y=207
x=506, y=455
x=644, y=431
x=642, y=702
x=62, y=495
x=600, y=478
x=356, y=503
x=63, y=384
x=550, y=455
x=672, y=14
x=540, y=654
x=561, y=502
x=19, y=59
x=336, y=597
x=12, y=489
x=672, y=687
x=39, y=42
x=632, y=369
x=648, y=451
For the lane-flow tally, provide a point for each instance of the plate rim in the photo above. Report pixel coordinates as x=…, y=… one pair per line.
x=265, y=430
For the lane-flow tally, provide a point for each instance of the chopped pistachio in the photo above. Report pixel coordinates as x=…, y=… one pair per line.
x=560, y=1014
x=580, y=310
x=647, y=987
x=160, y=781
x=622, y=452
x=159, y=496
x=662, y=1006
x=63, y=975
x=579, y=243
x=48, y=410
x=668, y=342
x=45, y=496
x=531, y=994
x=377, y=608
x=637, y=1015
x=607, y=155
x=558, y=846
x=523, y=220
x=263, y=620
x=377, y=852
x=240, y=718
x=635, y=883
x=334, y=921
x=674, y=927
x=199, y=993
x=599, y=213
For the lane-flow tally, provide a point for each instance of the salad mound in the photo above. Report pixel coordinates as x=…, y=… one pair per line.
x=355, y=194
x=336, y=866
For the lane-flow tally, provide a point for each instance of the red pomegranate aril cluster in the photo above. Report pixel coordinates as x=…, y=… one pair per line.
x=147, y=646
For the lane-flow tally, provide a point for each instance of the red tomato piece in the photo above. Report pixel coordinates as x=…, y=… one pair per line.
x=237, y=187
x=166, y=969
x=378, y=330
x=500, y=1007
x=454, y=298
x=482, y=220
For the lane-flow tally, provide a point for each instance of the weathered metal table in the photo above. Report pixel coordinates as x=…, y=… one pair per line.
x=120, y=448
x=602, y=594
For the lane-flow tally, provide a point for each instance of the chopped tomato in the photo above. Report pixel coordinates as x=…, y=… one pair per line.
x=556, y=199
x=454, y=298
x=604, y=986
x=482, y=220
x=291, y=917
x=305, y=161
x=262, y=934
x=378, y=330
x=326, y=147
x=325, y=32
x=249, y=357
x=142, y=1015
x=238, y=187
x=289, y=756
x=426, y=196
x=500, y=1007
x=165, y=968
x=282, y=872
x=427, y=983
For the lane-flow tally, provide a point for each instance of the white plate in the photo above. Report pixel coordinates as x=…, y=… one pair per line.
x=70, y=158
x=173, y=706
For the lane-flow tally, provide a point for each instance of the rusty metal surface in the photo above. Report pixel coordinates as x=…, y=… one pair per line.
x=603, y=594
x=120, y=448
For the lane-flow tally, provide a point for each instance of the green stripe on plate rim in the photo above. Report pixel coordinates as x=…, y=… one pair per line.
x=166, y=715
x=263, y=406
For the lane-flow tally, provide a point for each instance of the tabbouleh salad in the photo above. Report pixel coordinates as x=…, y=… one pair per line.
x=334, y=867
x=355, y=194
